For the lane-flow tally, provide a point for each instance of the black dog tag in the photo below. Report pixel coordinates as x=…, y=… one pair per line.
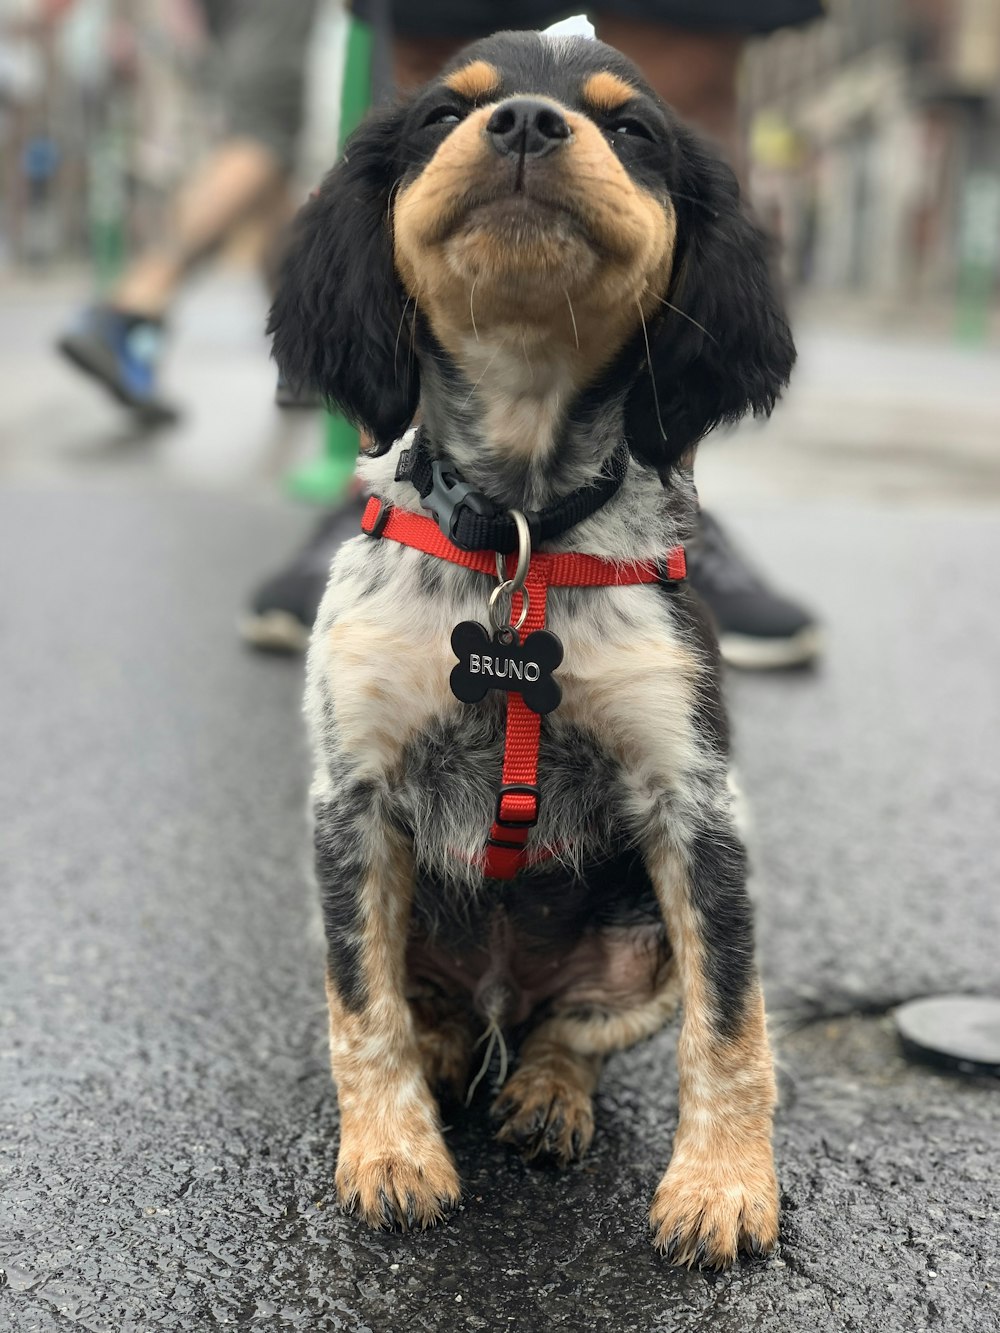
x=501, y=663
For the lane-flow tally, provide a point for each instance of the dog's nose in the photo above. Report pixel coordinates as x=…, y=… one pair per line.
x=525, y=127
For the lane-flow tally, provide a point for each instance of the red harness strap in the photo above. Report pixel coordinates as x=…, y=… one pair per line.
x=518, y=799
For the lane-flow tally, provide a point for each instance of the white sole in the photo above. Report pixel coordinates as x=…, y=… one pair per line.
x=274, y=632
x=756, y=654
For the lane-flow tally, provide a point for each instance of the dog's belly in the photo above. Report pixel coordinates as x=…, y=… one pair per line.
x=593, y=940
x=508, y=978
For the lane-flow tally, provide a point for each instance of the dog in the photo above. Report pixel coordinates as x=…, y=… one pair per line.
x=539, y=256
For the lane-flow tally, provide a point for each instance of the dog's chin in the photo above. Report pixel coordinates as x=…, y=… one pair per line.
x=522, y=245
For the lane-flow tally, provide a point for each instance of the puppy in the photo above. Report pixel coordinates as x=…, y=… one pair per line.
x=535, y=253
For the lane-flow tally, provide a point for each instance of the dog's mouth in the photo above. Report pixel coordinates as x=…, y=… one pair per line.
x=518, y=213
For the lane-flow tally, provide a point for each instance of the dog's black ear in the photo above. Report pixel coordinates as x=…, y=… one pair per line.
x=726, y=349
x=339, y=321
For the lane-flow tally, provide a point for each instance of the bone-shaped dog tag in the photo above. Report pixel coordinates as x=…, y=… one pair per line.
x=501, y=663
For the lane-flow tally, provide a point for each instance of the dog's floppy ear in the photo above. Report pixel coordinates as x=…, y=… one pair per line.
x=726, y=349
x=339, y=316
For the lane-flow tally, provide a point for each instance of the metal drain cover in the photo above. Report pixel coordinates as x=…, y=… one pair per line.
x=958, y=1032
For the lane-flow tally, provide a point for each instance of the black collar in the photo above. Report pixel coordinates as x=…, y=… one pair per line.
x=474, y=522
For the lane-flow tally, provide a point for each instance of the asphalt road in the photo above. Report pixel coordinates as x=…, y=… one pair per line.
x=168, y=1124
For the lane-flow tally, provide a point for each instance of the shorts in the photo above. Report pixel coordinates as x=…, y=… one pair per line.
x=263, y=47
x=468, y=19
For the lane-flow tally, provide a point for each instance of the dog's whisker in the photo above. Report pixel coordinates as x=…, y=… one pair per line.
x=472, y=311
x=649, y=366
x=572, y=316
x=392, y=194
x=399, y=331
x=684, y=315
x=412, y=354
x=693, y=199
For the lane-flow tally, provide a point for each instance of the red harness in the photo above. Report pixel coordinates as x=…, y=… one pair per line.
x=506, y=851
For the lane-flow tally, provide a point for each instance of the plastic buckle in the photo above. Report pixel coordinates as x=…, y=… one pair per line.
x=448, y=496
x=381, y=518
x=517, y=789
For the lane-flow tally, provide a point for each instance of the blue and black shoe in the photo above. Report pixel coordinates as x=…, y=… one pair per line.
x=122, y=351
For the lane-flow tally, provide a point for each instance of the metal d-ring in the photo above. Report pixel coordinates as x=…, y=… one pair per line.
x=508, y=587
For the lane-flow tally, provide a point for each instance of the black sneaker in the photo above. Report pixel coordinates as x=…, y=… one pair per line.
x=758, y=628
x=283, y=608
x=123, y=352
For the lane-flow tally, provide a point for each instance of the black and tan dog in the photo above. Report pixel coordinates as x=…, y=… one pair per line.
x=535, y=253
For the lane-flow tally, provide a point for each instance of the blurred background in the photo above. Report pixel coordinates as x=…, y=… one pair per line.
x=171, y=1123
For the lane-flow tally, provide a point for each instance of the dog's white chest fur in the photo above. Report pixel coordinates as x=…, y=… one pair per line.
x=379, y=697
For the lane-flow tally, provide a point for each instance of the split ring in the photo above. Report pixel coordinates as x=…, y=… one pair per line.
x=507, y=589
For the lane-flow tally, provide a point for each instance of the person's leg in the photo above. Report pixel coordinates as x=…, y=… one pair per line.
x=261, y=60
x=239, y=179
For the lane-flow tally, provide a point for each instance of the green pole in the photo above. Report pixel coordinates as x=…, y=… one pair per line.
x=106, y=205
x=324, y=479
x=978, y=256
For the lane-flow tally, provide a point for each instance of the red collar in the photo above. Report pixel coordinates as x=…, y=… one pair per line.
x=506, y=852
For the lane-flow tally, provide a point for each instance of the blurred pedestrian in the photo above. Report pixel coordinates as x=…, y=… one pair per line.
x=261, y=50
x=690, y=52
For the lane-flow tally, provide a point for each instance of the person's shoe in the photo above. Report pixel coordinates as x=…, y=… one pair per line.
x=123, y=352
x=282, y=610
x=296, y=399
x=758, y=628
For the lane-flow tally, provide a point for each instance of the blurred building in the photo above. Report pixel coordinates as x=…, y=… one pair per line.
x=99, y=117
x=875, y=141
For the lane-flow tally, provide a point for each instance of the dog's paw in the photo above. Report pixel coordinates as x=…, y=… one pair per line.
x=398, y=1191
x=544, y=1117
x=706, y=1212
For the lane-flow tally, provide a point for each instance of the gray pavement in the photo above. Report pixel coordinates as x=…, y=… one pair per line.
x=169, y=1128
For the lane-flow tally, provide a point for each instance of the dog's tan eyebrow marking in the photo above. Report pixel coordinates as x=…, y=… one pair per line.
x=480, y=79
x=606, y=92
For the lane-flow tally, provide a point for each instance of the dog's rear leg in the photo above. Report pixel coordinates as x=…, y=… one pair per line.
x=719, y=1194
x=446, y=1034
x=393, y=1167
x=545, y=1108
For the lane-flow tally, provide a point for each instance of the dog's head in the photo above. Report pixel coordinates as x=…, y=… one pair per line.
x=537, y=193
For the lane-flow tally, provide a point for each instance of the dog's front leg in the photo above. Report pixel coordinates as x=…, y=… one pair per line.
x=719, y=1194
x=393, y=1167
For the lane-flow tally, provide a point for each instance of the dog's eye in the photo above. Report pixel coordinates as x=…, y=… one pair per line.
x=632, y=128
x=442, y=115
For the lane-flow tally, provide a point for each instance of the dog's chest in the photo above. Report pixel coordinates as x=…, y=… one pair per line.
x=384, y=653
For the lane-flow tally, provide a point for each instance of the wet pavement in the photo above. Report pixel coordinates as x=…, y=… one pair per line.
x=168, y=1125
